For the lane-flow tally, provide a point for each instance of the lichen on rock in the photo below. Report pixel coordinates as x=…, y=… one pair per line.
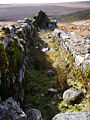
x=10, y=110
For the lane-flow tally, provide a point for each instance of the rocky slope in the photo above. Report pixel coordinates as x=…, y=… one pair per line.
x=39, y=70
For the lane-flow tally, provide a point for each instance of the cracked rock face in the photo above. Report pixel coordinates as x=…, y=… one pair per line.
x=10, y=110
x=73, y=116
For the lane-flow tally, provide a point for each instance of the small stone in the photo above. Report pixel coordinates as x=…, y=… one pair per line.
x=65, y=105
x=44, y=49
x=72, y=94
x=79, y=60
x=33, y=114
x=52, y=91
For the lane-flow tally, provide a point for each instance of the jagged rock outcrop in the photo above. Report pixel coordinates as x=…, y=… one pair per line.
x=12, y=64
x=10, y=110
x=73, y=116
x=42, y=21
x=18, y=46
x=17, y=43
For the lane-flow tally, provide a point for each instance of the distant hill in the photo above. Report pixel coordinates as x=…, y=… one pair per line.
x=81, y=15
x=14, y=12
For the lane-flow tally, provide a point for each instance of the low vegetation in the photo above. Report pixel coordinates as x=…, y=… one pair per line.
x=81, y=15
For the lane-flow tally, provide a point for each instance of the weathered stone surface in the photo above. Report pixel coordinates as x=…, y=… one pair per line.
x=77, y=45
x=12, y=30
x=73, y=116
x=14, y=42
x=33, y=114
x=9, y=110
x=79, y=60
x=72, y=94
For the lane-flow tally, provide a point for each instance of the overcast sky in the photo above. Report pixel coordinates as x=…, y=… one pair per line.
x=36, y=1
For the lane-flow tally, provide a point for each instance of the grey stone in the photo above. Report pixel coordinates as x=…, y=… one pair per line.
x=33, y=114
x=10, y=110
x=56, y=32
x=21, y=76
x=12, y=29
x=79, y=60
x=52, y=91
x=26, y=20
x=20, y=21
x=73, y=116
x=44, y=49
x=20, y=31
x=64, y=36
x=77, y=45
x=72, y=94
x=5, y=42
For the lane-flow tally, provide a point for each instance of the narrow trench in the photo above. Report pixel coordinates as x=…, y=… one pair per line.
x=47, y=80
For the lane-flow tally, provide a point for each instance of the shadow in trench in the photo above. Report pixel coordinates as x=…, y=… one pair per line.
x=42, y=86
